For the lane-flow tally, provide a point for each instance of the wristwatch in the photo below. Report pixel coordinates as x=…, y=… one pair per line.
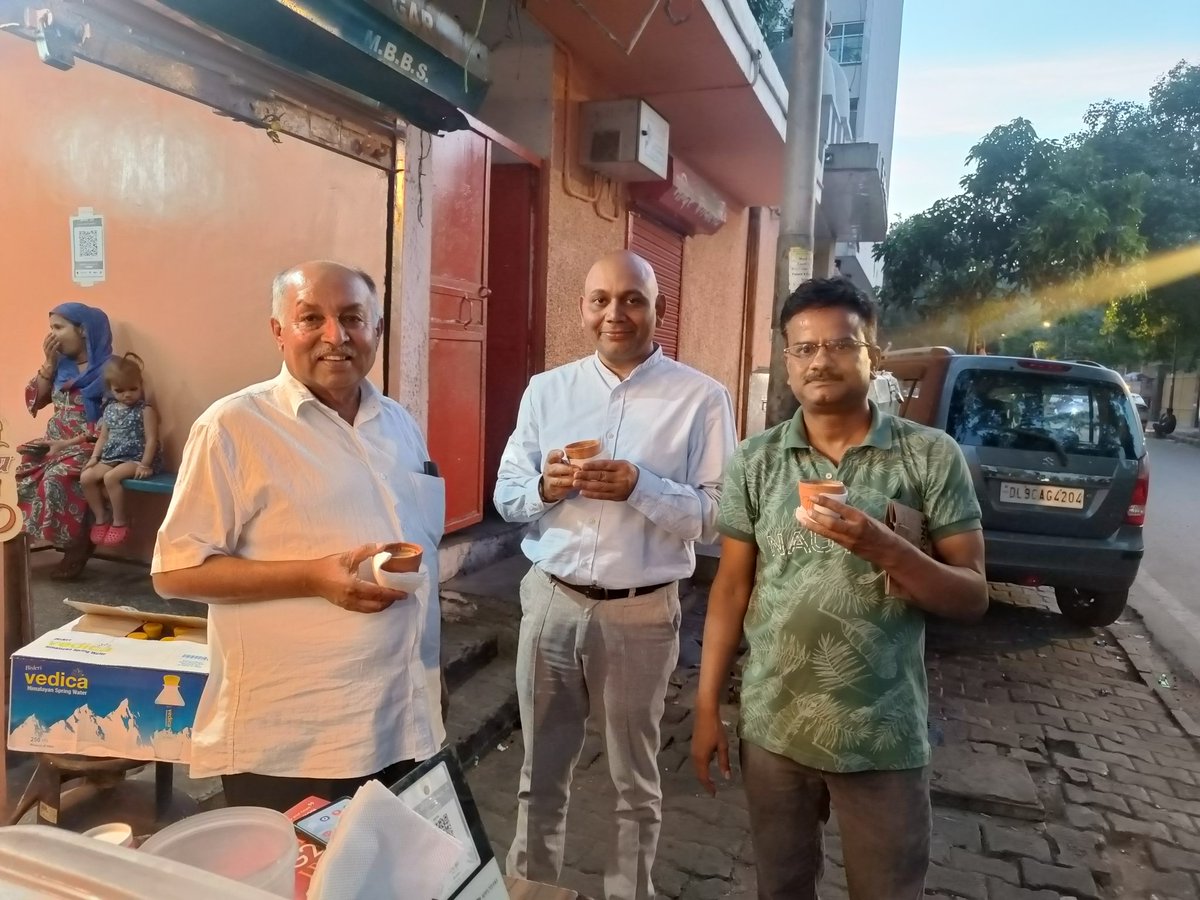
x=542, y=493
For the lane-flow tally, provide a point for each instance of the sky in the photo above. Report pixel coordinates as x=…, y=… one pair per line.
x=969, y=65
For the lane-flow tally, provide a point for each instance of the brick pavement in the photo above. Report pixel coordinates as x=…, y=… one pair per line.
x=1083, y=709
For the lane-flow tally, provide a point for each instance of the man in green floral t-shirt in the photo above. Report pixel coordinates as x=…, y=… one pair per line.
x=834, y=696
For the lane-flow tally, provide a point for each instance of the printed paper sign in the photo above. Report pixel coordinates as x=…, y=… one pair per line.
x=87, y=247
x=799, y=266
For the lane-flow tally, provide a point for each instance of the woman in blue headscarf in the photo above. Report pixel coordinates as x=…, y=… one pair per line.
x=48, y=490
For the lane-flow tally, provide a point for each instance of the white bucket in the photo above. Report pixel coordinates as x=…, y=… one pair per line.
x=255, y=846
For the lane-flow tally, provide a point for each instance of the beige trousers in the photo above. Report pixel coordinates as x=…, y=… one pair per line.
x=609, y=660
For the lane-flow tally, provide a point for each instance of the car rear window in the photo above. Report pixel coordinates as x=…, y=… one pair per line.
x=1036, y=411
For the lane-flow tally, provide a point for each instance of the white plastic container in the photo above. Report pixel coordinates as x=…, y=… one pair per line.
x=255, y=846
x=113, y=833
x=38, y=862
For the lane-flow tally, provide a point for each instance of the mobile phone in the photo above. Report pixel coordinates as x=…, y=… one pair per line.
x=318, y=826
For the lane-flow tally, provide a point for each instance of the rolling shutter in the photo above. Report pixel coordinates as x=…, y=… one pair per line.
x=663, y=249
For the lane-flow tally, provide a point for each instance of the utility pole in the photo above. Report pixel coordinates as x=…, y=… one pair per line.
x=794, y=251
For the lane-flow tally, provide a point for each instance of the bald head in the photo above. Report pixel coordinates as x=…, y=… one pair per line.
x=622, y=267
x=620, y=309
x=319, y=273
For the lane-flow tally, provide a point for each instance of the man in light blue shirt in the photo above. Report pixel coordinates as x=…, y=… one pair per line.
x=609, y=540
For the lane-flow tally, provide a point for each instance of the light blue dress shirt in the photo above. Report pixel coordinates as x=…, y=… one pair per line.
x=671, y=421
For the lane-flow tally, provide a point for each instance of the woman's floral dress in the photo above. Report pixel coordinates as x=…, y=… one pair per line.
x=48, y=489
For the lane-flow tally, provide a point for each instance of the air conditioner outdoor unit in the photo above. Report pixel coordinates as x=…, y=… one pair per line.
x=624, y=139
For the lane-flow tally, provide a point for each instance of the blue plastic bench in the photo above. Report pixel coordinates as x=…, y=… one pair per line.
x=162, y=483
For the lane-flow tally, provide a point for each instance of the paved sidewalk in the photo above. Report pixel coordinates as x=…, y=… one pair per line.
x=1183, y=435
x=1112, y=782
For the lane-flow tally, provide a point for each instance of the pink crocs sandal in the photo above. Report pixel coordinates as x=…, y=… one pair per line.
x=98, y=534
x=116, y=534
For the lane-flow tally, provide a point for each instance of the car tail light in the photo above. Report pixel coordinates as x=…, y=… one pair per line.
x=1136, y=514
x=1041, y=365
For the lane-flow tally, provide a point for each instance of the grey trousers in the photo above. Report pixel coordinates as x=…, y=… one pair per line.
x=884, y=817
x=609, y=660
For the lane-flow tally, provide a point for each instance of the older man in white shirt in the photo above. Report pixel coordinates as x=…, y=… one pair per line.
x=609, y=541
x=320, y=679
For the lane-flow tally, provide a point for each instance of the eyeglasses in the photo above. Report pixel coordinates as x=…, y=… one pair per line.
x=808, y=349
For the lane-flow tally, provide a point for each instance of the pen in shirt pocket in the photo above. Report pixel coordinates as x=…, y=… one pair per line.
x=429, y=467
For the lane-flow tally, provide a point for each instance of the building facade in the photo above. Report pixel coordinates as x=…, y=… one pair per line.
x=475, y=167
x=864, y=40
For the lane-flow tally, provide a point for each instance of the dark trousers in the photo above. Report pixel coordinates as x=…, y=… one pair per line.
x=884, y=817
x=282, y=793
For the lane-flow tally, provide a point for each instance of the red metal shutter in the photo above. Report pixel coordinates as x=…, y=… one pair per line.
x=663, y=249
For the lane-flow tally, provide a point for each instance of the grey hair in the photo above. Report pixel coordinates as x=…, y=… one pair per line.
x=279, y=286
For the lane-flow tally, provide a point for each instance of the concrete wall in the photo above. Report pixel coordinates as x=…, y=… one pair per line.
x=711, y=314
x=1187, y=388
x=200, y=213
x=881, y=55
x=761, y=319
x=519, y=102
x=579, y=230
x=874, y=85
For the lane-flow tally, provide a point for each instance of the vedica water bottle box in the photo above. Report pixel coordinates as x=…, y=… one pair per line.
x=90, y=689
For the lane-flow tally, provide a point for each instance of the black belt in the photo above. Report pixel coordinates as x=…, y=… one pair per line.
x=599, y=593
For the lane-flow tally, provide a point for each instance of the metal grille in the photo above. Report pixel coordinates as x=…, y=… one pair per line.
x=663, y=249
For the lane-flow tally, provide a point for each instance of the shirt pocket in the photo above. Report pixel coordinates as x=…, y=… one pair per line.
x=423, y=517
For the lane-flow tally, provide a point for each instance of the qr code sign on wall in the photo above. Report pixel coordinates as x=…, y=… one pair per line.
x=87, y=248
x=87, y=243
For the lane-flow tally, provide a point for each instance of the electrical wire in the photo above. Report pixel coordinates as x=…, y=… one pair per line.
x=637, y=35
x=566, y=139
x=424, y=155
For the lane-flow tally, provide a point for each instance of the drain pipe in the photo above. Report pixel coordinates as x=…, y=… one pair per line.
x=797, y=221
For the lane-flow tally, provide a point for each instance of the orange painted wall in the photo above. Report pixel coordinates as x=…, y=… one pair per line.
x=200, y=213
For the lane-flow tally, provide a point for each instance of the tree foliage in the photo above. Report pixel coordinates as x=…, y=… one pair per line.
x=1161, y=140
x=774, y=18
x=1035, y=217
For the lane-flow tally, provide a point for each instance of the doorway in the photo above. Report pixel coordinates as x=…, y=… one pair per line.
x=512, y=251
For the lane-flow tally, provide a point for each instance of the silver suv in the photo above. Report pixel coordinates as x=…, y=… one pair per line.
x=1058, y=459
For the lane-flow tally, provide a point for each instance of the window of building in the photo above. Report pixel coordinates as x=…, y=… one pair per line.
x=846, y=42
x=854, y=117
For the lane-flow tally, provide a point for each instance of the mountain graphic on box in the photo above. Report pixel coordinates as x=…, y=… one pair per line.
x=117, y=729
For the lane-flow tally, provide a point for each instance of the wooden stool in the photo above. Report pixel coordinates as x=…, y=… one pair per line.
x=106, y=777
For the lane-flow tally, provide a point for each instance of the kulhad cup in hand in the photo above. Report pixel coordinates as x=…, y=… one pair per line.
x=579, y=451
x=405, y=557
x=811, y=489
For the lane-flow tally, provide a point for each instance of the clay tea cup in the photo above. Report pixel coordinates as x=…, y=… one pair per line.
x=580, y=451
x=405, y=558
x=812, y=488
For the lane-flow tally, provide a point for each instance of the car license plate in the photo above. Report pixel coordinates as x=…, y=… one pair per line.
x=1042, y=495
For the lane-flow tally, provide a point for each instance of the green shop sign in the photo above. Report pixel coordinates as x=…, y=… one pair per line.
x=359, y=46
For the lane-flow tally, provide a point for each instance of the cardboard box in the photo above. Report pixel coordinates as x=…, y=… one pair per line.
x=87, y=689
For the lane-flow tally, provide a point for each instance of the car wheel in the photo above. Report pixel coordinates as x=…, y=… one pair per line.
x=1090, y=607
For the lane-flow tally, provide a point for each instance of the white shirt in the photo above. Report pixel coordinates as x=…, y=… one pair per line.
x=300, y=687
x=671, y=421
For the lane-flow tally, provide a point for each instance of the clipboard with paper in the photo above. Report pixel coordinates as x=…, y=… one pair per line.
x=437, y=791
